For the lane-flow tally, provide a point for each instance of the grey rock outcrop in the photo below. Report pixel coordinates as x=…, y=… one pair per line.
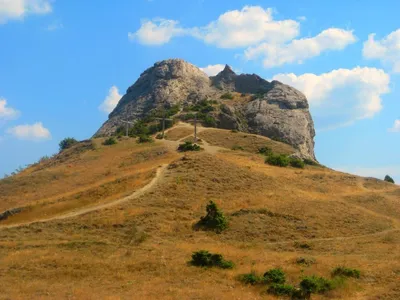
x=272, y=109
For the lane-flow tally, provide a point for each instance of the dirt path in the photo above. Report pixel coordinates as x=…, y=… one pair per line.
x=338, y=238
x=136, y=194
x=212, y=150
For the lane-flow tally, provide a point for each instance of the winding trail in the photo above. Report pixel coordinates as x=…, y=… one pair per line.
x=85, y=210
x=212, y=150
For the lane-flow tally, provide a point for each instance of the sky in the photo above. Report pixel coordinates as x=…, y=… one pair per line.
x=64, y=65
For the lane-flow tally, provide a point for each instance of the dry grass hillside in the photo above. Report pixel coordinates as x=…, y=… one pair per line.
x=116, y=222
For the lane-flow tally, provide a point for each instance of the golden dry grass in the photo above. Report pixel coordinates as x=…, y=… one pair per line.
x=139, y=249
x=249, y=142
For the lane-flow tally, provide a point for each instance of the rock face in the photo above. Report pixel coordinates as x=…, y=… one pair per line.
x=267, y=108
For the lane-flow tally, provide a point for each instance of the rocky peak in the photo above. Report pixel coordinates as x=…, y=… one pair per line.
x=271, y=109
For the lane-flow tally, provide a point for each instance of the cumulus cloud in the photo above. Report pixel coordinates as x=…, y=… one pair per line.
x=236, y=28
x=212, y=70
x=301, y=49
x=341, y=96
x=157, y=32
x=6, y=112
x=387, y=50
x=35, y=132
x=246, y=27
x=396, y=126
x=18, y=9
x=111, y=101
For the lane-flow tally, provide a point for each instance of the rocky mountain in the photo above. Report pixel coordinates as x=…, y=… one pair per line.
x=245, y=102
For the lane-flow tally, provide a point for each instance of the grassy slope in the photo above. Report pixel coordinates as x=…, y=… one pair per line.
x=139, y=249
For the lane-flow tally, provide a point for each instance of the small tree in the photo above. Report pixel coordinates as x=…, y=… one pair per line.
x=389, y=179
x=67, y=143
x=214, y=220
x=110, y=141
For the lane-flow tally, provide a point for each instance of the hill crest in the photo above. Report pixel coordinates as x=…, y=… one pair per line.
x=244, y=102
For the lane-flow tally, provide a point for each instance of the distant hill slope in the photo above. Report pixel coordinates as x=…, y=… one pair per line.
x=117, y=222
x=245, y=102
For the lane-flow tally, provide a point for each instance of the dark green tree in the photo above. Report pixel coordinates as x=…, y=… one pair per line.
x=389, y=179
x=67, y=143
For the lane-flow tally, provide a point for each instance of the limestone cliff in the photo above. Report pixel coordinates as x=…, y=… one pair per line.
x=271, y=109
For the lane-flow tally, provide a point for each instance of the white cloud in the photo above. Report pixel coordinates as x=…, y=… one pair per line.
x=342, y=96
x=212, y=70
x=387, y=50
x=236, y=28
x=301, y=49
x=18, y=9
x=396, y=126
x=249, y=26
x=35, y=132
x=7, y=113
x=111, y=101
x=302, y=18
x=157, y=32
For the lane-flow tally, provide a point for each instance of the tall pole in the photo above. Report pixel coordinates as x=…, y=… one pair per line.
x=195, y=128
x=163, y=124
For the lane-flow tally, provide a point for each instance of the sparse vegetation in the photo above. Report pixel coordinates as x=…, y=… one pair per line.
x=389, y=179
x=188, y=146
x=250, y=278
x=315, y=284
x=279, y=160
x=275, y=276
x=143, y=138
x=310, y=162
x=214, y=219
x=209, y=121
x=227, y=96
x=346, y=272
x=265, y=150
x=67, y=143
x=296, y=163
x=110, y=141
x=203, y=258
x=280, y=289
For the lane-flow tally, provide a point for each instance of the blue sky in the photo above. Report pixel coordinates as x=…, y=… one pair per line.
x=65, y=64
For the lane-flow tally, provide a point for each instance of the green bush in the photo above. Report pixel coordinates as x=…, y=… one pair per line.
x=234, y=131
x=280, y=160
x=110, y=141
x=228, y=96
x=160, y=136
x=315, y=284
x=188, y=116
x=143, y=138
x=251, y=278
x=203, y=258
x=346, y=272
x=209, y=121
x=275, y=276
x=265, y=150
x=389, y=179
x=188, y=146
x=296, y=163
x=310, y=162
x=214, y=219
x=67, y=143
x=279, y=289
